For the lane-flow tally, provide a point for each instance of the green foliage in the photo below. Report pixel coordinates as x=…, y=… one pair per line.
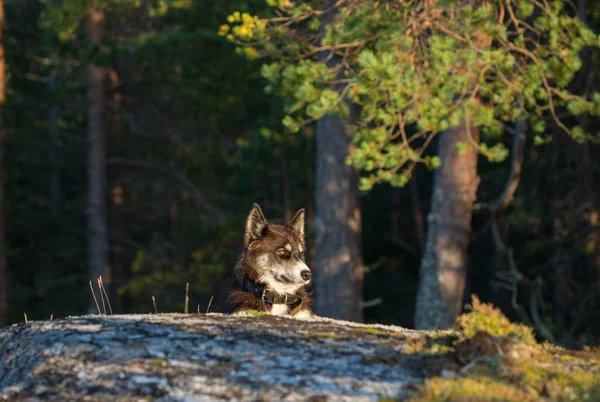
x=413, y=80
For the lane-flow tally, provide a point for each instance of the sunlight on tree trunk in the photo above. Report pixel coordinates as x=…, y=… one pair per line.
x=444, y=263
x=339, y=275
x=338, y=261
x=97, y=230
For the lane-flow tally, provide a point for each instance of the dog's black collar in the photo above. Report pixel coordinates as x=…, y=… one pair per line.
x=270, y=296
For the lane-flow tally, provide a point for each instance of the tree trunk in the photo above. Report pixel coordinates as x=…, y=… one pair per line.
x=592, y=213
x=562, y=295
x=444, y=263
x=118, y=261
x=176, y=240
x=418, y=215
x=55, y=189
x=285, y=184
x=338, y=259
x=310, y=200
x=593, y=218
x=3, y=262
x=97, y=230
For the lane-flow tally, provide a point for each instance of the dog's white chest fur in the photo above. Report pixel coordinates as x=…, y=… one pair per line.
x=279, y=309
x=282, y=309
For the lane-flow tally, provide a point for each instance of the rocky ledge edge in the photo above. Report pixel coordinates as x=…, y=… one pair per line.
x=191, y=357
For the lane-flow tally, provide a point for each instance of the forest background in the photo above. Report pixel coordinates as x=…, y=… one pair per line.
x=137, y=134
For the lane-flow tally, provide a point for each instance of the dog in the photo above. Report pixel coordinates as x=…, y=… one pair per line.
x=271, y=275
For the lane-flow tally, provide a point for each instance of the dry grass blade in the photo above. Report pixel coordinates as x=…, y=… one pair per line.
x=95, y=300
x=26, y=320
x=106, y=295
x=198, y=309
x=101, y=294
x=209, y=303
x=154, y=303
x=187, y=297
x=51, y=317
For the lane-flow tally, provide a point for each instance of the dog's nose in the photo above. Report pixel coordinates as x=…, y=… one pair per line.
x=306, y=274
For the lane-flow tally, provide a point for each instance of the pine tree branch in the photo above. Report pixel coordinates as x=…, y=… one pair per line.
x=516, y=167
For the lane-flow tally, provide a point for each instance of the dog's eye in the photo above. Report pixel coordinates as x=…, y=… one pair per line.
x=283, y=253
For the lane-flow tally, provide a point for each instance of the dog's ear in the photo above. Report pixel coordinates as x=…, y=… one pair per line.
x=256, y=224
x=297, y=224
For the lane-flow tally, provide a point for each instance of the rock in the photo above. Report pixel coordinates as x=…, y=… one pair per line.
x=177, y=357
x=386, y=354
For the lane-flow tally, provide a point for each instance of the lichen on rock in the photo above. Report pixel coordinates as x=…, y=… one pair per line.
x=247, y=357
x=176, y=357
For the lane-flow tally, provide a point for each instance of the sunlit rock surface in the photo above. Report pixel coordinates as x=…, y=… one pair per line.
x=177, y=357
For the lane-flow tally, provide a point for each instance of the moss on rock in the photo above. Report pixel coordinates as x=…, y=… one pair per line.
x=496, y=360
x=486, y=317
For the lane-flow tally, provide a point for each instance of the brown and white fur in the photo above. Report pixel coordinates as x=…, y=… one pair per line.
x=273, y=257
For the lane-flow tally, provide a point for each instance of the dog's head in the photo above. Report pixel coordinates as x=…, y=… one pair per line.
x=276, y=252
